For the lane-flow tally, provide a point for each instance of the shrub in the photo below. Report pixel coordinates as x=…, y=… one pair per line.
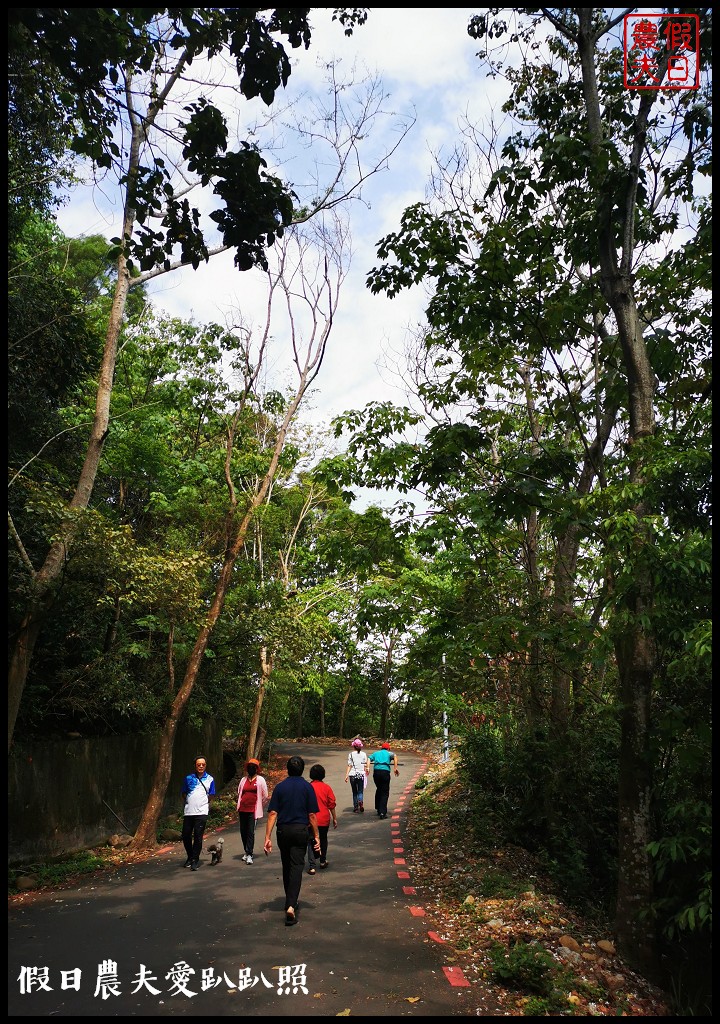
x=525, y=966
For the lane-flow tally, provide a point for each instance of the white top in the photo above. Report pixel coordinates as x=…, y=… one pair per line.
x=197, y=791
x=357, y=760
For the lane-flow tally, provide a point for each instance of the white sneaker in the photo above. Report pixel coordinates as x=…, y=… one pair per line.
x=245, y=857
x=248, y=860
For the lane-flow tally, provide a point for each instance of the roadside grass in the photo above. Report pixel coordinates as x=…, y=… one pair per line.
x=54, y=872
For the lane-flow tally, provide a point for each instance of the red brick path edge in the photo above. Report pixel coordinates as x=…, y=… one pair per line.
x=454, y=975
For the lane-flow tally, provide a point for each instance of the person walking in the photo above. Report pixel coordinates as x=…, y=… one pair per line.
x=326, y=804
x=198, y=789
x=294, y=807
x=252, y=796
x=357, y=772
x=382, y=761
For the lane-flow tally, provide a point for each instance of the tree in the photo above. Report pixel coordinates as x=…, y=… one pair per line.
x=618, y=221
x=122, y=89
x=311, y=265
x=551, y=289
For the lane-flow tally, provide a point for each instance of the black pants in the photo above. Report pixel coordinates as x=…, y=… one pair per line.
x=382, y=790
x=247, y=831
x=292, y=841
x=193, y=831
x=312, y=852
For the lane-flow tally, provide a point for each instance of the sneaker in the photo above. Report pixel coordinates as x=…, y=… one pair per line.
x=323, y=863
x=311, y=871
x=188, y=863
x=248, y=859
x=362, y=808
x=244, y=857
x=195, y=865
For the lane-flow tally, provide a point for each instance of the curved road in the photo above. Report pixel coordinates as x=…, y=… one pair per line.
x=142, y=940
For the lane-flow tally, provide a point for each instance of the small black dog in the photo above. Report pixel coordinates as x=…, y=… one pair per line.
x=216, y=849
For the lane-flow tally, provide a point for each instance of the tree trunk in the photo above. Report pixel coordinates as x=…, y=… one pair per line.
x=147, y=829
x=386, y=689
x=636, y=658
x=635, y=883
x=300, y=717
x=634, y=647
x=565, y=571
x=236, y=541
x=267, y=663
x=111, y=632
x=46, y=580
x=146, y=832
x=343, y=709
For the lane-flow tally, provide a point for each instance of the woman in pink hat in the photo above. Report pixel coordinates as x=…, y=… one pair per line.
x=357, y=772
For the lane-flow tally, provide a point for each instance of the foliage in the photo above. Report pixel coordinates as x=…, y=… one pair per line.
x=257, y=206
x=37, y=164
x=501, y=885
x=56, y=872
x=527, y=966
x=54, y=339
x=567, y=817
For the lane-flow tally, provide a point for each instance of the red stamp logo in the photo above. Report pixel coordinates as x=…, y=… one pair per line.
x=662, y=51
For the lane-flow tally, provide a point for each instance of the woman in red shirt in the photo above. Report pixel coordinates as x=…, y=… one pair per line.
x=326, y=803
x=252, y=795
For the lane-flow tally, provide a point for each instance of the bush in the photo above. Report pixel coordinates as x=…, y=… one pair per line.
x=556, y=797
x=525, y=966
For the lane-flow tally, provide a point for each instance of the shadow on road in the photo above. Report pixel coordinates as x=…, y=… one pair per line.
x=155, y=939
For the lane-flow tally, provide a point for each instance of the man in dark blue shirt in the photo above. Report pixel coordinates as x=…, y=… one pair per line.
x=293, y=805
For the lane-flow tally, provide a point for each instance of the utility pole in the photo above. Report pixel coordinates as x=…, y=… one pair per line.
x=446, y=745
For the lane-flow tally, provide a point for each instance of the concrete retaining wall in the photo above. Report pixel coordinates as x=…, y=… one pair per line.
x=62, y=794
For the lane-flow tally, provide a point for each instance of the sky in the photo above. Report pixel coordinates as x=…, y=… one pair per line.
x=428, y=69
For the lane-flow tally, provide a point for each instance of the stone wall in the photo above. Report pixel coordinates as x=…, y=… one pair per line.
x=68, y=795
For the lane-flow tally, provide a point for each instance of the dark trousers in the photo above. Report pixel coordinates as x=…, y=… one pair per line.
x=312, y=853
x=292, y=841
x=247, y=830
x=357, y=785
x=382, y=790
x=193, y=830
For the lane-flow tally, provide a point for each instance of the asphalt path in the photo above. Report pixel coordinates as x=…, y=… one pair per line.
x=155, y=939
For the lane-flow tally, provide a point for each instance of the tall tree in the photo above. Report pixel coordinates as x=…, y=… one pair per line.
x=557, y=294
x=306, y=281
x=124, y=87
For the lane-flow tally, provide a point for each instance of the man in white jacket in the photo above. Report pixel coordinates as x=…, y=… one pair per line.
x=198, y=789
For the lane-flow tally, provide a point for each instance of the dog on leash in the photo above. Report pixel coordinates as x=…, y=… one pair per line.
x=216, y=849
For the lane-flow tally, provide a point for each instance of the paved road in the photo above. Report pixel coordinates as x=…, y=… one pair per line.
x=357, y=948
